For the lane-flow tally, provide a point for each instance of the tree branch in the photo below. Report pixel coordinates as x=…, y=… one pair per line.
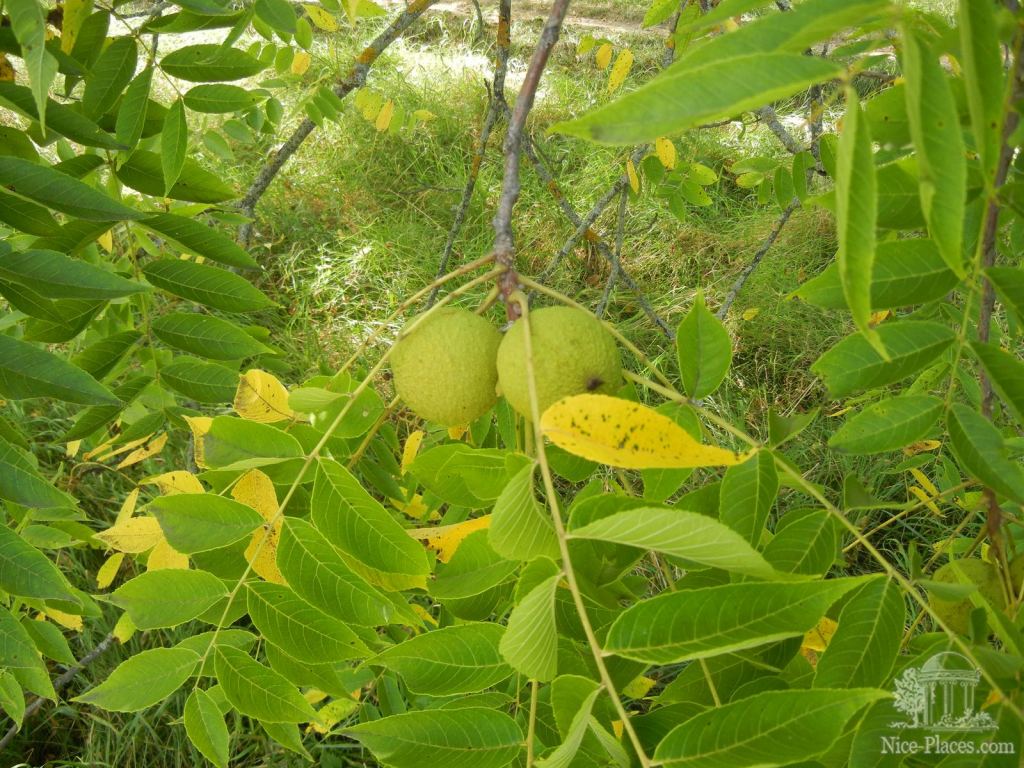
x=770, y=118
x=353, y=80
x=620, y=235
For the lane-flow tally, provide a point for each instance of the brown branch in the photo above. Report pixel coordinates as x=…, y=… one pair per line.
x=353, y=80
x=504, y=243
x=620, y=235
x=771, y=119
x=59, y=683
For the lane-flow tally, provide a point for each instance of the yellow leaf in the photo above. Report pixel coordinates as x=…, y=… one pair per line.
x=878, y=317
x=456, y=433
x=445, y=539
x=634, y=180
x=75, y=13
x=414, y=507
x=922, y=478
x=314, y=695
x=178, y=481
x=617, y=729
x=625, y=434
x=817, y=639
x=131, y=444
x=332, y=713
x=921, y=446
x=261, y=397
x=134, y=535
x=423, y=613
x=145, y=452
x=124, y=629
x=128, y=507
x=256, y=490
x=199, y=425
x=384, y=116
x=321, y=18
x=72, y=448
x=300, y=63
x=840, y=412
x=106, y=240
x=6, y=69
x=603, y=57
x=623, y=64
x=105, y=575
x=750, y=314
x=639, y=687
x=922, y=495
x=66, y=620
x=424, y=115
x=411, y=448
x=165, y=557
x=666, y=152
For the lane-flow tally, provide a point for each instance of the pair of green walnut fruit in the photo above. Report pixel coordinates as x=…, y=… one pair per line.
x=957, y=613
x=452, y=364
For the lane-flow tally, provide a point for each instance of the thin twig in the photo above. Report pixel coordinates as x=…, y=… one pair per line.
x=749, y=270
x=620, y=235
x=504, y=242
x=353, y=80
x=770, y=118
x=59, y=683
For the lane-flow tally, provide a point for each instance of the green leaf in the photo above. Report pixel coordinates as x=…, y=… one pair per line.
x=29, y=25
x=207, y=336
x=58, y=191
x=888, y=425
x=679, y=533
x=278, y=14
x=131, y=115
x=470, y=737
x=474, y=569
x=1009, y=285
x=206, y=728
x=100, y=358
x=239, y=444
x=27, y=572
x=168, y=597
x=455, y=660
x=942, y=160
x=530, y=642
x=91, y=419
x=466, y=476
x=208, y=62
x=748, y=493
x=201, y=381
x=1005, y=372
x=661, y=483
x=56, y=276
x=49, y=640
x=222, y=98
x=12, y=700
x=862, y=651
x=258, y=691
x=704, y=350
x=982, y=61
x=698, y=623
x=674, y=101
x=857, y=216
x=26, y=216
x=143, y=172
x=211, y=286
x=853, y=364
x=520, y=527
x=21, y=483
x=742, y=733
x=200, y=240
x=60, y=118
x=980, y=449
x=198, y=522
x=143, y=680
x=564, y=754
x=905, y=272
x=361, y=528
x=805, y=541
x=301, y=630
x=289, y=736
x=173, y=144
x=318, y=574
x=27, y=371
x=18, y=654
x=110, y=74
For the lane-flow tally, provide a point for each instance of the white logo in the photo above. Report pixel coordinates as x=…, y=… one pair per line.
x=939, y=696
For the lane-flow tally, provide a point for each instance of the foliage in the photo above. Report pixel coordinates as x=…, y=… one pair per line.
x=565, y=610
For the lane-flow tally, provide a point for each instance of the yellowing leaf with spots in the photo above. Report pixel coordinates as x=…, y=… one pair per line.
x=145, y=452
x=321, y=18
x=621, y=433
x=666, y=152
x=7, y=74
x=818, y=638
x=921, y=446
x=75, y=14
x=128, y=507
x=603, y=57
x=623, y=64
x=445, y=539
x=256, y=490
x=178, y=481
x=261, y=397
x=199, y=425
x=411, y=448
x=383, y=121
x=165, y=557
x=423, y=613
x=108, y=571
x=634, y=180
x=332, y=713
x=300, y=63
x=134, y=535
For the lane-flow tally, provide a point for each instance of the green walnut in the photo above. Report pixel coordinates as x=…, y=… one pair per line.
x=573, y=353
x=444, y=370
x=957, y=613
